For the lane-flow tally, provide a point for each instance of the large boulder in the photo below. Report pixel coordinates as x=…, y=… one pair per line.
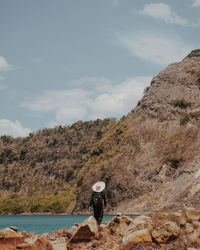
x=140, y=236
x=120, y=224
x=9, y=239
x=85, y=231
x=9, y=235
x=124, y=225
x=143, y=222
x=168, y=231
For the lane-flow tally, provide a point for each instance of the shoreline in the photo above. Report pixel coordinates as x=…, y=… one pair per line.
x=30, y=214
x=170, y=230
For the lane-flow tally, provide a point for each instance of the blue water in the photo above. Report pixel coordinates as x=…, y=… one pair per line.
x=43, y=223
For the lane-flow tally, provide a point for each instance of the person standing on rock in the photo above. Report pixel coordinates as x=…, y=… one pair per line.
x=98, y=200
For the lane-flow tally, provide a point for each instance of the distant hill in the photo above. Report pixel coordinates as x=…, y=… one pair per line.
x=149, y=159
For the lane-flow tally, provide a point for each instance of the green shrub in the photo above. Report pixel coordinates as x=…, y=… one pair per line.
x=185, y=118
x=35, y=208
x=97, y=151
x=7, y=139
x=181, y=103
x=175, y=162
x=120, y=188
x=55, y=207
x=99, y=134
x=7, y=155
x=33, y=162
x=31, y=135
x=106, y=176
x=55, y=157
x=23, y=153
x=69, y=174
x=119, y=131
x=17, y=209
x=4, y=209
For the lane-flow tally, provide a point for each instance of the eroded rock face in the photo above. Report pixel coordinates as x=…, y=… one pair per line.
x=168, y=231
x=194, y=53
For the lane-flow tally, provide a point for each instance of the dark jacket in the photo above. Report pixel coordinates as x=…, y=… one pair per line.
x=101, y=199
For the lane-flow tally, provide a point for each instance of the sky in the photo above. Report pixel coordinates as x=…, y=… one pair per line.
x=63, y=61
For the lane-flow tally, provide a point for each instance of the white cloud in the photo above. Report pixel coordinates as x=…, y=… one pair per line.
x=14, y=129
x=53, y=100
x=155, y=47
x=119, y=99
x=4, y=65
x=196, y=3
x=163, y=12
x=111, y=100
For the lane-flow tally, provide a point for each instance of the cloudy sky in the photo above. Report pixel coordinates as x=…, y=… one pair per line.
x=67, y=60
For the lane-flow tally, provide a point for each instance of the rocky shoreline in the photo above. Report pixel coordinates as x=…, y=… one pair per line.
x=167, y=230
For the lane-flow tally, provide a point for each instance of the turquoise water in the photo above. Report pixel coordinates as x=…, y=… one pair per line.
x=43, y=223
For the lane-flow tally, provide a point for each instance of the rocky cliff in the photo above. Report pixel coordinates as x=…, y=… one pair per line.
x=149, y=159
x=156, y=161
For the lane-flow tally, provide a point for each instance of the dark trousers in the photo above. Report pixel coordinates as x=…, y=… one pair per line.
x=98, y=214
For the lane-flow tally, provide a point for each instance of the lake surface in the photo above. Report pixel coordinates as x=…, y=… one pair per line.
x=43, y=223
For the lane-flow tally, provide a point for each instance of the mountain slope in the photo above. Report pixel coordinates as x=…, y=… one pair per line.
x=158, y=155
x=149, y=159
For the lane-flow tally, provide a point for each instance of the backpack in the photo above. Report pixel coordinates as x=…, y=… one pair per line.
x=97, y=200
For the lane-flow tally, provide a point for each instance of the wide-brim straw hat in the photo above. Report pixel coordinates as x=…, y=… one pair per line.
x=99, y=186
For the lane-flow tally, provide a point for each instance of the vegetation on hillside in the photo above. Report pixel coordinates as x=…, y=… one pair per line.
x=39, y=173
x=148, y=159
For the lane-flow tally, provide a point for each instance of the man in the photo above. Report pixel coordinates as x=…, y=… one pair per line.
x=98, y=200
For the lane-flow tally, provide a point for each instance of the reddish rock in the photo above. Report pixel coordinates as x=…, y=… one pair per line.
x=168, y=231
x=161, y=218
x=119, y=225
x=31, y=235
x=85, y=231
x=5, y=246
x=24, y=233
x=42, y=243
x=61, y=232
x=10, y=237
x=140, y=236
x=189, y=228
x=194, y=238
x=27, y=246
x=192, y=214
x=142, y=222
